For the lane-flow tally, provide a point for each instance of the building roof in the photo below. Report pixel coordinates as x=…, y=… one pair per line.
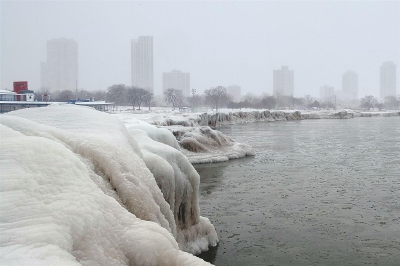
x=7, y=92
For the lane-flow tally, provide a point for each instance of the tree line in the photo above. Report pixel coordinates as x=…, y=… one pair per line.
x=215, y=98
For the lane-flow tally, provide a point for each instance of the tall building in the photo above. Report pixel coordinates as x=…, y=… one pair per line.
x=388, y=80
x=235, y=92
x=350, y=85
x=177, y=80
x=142, y=62
x=283, y=83
x=327, y=93
x=60, y=71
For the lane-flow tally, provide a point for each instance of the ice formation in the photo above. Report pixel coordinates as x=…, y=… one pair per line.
x=205, y=145
x=199, y=144
x=76, y=189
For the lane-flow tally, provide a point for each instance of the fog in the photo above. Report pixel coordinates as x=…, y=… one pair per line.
x=218, y=43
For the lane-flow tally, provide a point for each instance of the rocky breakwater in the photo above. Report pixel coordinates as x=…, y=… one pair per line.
x=327, y=115
x=215, y=119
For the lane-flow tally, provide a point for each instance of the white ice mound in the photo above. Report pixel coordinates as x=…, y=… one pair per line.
x=205, y=145
x=75, y=190
x=179, y=182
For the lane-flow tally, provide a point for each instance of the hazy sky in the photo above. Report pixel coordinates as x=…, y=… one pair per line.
x=218, y=43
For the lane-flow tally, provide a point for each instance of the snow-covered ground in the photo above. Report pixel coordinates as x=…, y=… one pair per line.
x=78, y=187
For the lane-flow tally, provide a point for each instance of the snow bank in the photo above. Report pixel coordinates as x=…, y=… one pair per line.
x=75, y=190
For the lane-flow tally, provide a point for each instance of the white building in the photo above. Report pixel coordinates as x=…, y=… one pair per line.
x=60, y=71
x=387, y=80
x=327, y=94
x=283, y=81
x=177, y=80
x=350, y=85
x=142, y=62
x=235, y=92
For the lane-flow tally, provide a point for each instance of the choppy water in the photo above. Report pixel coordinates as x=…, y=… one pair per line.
x=318, y=192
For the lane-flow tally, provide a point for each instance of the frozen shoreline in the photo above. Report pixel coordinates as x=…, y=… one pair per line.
x=201, y=143
x=165, y=117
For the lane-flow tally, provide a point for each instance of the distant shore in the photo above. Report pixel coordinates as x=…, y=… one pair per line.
x=226, y=116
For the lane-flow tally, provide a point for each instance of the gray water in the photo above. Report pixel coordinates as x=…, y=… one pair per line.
x=317, y=192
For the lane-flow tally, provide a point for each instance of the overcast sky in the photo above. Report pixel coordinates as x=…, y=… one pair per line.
x=218, y=43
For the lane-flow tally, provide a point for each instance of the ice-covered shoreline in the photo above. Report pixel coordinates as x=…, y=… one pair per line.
x=200, y=141
x=81, y=188
x=212, y=119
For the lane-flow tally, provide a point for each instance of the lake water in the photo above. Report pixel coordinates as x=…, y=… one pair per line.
x=317, y=192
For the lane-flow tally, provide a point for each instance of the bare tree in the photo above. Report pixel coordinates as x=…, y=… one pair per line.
x=269, y=102
x=99, y=95
x=216, y=96
x=149, y=99
x=195, y=101
x=368, y=102
x=64, y=96
x=308, y=100
x=391, y=102
x=117, y=94
x=174, y=97
x=137, y=96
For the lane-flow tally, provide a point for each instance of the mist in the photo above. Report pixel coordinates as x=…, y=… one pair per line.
x=218, y=43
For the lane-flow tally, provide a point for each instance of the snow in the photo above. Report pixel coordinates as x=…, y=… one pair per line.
x=205, y=145
x=199, y=144
x=76, y=189
x=166, y=117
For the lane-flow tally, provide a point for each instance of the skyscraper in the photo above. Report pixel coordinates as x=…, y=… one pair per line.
x=177, y=80
x=350, y=85
x=60, y=71
x=142, y=62
x=327, y=93
x=283, y=83
x=235, y=92
x=388, y=80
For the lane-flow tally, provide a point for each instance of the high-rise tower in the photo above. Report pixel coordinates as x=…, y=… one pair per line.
x=177, y=80
x=388, y=80
x=142, y=62
x=350, y=85
x=60, y=71
x=283, y=83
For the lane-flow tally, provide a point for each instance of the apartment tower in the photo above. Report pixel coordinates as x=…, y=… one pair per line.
x=350, y=85
x=142, y=62
x=283, y=81
x=60, y=71
x=176, y=79
x=388, y=80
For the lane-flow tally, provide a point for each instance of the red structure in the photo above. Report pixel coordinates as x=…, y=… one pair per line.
x=20, y=86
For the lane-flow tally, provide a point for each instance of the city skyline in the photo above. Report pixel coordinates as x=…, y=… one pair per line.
x=241, y=51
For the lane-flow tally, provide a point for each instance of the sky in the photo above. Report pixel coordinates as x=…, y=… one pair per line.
x=220, y=43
